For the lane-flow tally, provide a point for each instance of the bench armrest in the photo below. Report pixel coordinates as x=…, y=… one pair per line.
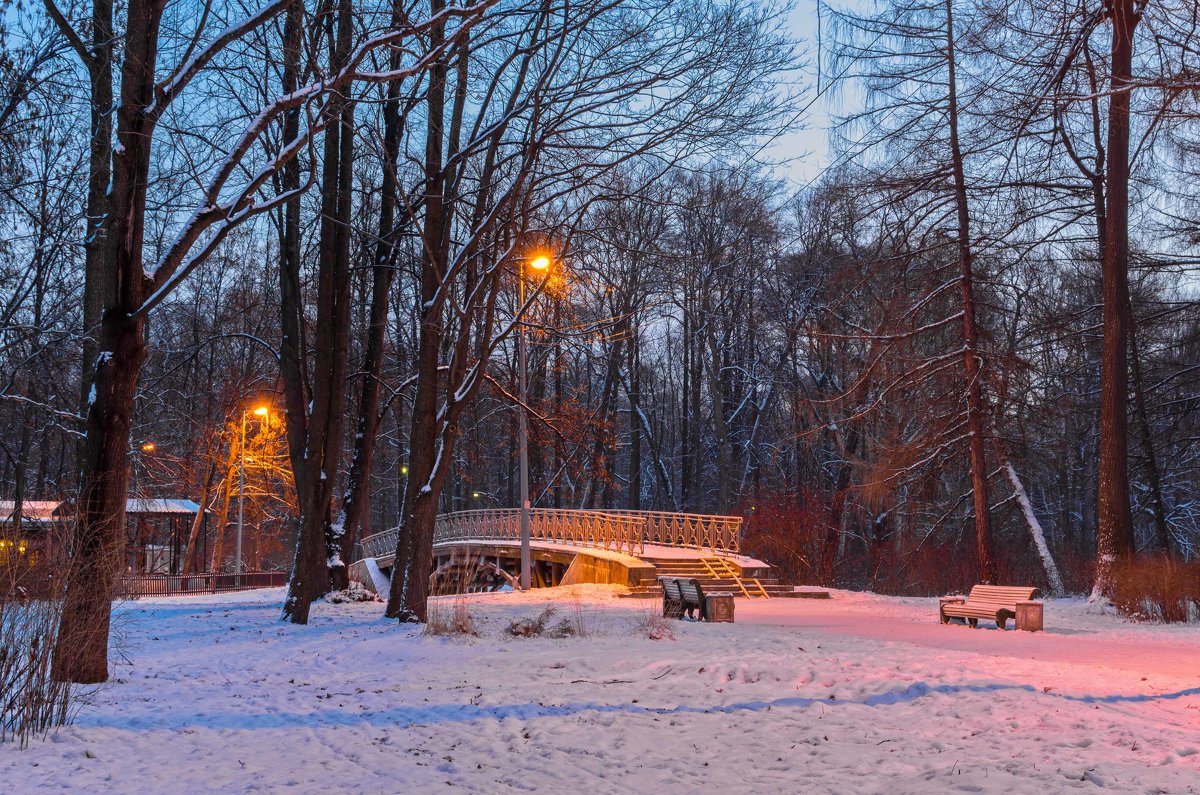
x=951, y=600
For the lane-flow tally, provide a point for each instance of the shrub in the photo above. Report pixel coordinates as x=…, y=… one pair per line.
x=1158, y=589
x=655, y=626
x=31, y=701
x=453, y=618
x=533, y=627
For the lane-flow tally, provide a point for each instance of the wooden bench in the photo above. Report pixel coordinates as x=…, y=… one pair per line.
x=682, y=595
x=990, y=602
x=672, y=598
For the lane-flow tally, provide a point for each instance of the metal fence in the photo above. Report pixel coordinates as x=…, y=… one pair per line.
x=131, y=586
x=622, y=531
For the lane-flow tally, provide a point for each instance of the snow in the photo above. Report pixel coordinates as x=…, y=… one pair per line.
x=859, y=693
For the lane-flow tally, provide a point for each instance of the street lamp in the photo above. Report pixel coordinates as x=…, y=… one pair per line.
x=538, y=262
x=260, y=411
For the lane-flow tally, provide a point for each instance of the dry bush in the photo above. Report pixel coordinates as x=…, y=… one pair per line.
x=1159, y=589
x=586, y=621
x=532, y=627
x=31, y=702
x=654, y=625
x=571, y=627
x=451, y=617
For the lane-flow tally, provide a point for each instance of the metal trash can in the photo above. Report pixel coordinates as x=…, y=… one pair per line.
x=718, y=607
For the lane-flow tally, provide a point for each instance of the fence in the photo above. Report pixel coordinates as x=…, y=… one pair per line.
x=622, y=531
x=134, y=585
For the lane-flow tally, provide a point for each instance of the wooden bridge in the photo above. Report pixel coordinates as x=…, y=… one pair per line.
x=480, y=550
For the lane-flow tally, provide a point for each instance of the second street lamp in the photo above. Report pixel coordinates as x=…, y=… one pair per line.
x=538, y=262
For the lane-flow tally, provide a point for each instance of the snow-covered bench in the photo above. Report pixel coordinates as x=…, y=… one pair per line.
x=990, y=602
x=680, y=595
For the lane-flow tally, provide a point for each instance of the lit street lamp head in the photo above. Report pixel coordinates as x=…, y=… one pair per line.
x=262, y=411
x=540, y=262
x=148, y=447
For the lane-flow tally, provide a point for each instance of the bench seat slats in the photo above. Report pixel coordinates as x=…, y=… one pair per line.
x=683, y=594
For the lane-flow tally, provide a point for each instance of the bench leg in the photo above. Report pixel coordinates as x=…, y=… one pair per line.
x=974, y=622
x=1001, y=622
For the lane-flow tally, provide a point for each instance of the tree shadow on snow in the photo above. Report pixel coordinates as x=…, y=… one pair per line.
x=408, y=716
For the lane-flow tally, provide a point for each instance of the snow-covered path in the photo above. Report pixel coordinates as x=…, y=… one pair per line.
x=1075, y=636
x=798, y=696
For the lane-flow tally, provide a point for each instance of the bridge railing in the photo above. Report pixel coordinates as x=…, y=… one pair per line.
x=621, y=531
x=690, y=530
x=557, y=526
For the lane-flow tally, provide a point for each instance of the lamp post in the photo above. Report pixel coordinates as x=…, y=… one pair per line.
x=138, y=485
x=540, y=262
x=261, y=411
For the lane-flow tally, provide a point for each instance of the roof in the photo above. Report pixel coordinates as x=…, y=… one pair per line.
x=49, y=510
x=161, y=506
x=31, y=510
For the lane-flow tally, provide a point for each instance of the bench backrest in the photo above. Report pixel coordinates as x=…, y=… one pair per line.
x=689, y=591
x=670, y=586
x=1000, y=596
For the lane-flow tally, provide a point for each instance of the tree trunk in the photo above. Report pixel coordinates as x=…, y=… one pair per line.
x=1114, y=531
x=191, y=556
x=98, y=290
x=635, y=423
x=358, y=487
x=413, y=561
x=1035, y=528
x=81, y=653
x=971, y=359
x=317, y=545
x=1162, y=534
x=292, y=348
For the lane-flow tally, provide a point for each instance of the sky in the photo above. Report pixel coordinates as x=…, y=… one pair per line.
x=804, y=151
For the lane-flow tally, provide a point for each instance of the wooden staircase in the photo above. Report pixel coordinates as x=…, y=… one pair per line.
x=714, y=574
x=722, y=569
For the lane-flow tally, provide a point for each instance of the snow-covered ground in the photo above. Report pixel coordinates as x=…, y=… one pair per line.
x=859, y=693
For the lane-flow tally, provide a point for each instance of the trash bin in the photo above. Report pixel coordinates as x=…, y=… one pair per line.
x=719, y=607
x=1029, y=616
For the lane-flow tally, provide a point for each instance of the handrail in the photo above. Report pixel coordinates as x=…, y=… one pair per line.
x=619, y=530
x=555, y=525
x=690, y=530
